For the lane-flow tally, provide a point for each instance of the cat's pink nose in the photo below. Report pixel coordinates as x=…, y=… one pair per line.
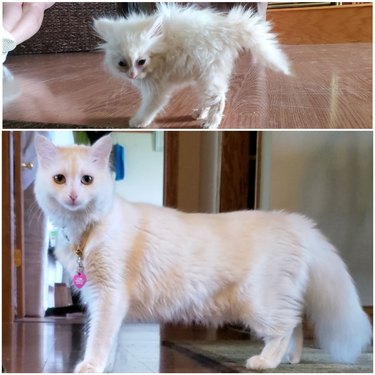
x=133, y=75
x=73, y=197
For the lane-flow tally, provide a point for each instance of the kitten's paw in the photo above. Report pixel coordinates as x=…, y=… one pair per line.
x=213, y=121
x=212, y=124
x=136, y=122
x=257, y=363
x=200, y=113
x=208, y=125
x=87, y=367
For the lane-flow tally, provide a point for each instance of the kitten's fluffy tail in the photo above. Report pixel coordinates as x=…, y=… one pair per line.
x=254, y=33
x=341, y=326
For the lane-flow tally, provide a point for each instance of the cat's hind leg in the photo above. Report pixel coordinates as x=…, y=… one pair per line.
x=272, y=354
x=294, y=351
x=200, y=113
x=215, y=113
x=212, y=90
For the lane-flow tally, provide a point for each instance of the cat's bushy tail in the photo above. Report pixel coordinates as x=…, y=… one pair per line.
x=254, y=33
x=341, y=326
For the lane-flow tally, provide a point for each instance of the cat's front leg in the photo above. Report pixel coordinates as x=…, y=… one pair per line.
x=153, y=101
x=107, y=312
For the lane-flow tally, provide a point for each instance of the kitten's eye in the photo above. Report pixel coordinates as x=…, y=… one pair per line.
x=123, y=64
x=87, y=180
x=141, y=62
x=59, y=179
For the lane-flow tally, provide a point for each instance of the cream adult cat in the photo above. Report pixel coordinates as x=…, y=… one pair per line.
x=178, y=46
x=260, y=269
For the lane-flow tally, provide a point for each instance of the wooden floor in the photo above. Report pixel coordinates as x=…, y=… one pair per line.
x=56, y=346
x=331, y=88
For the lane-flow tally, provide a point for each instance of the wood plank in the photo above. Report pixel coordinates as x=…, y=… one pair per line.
x=322, y=25
x=19, y=215
x=7, y=230
x=331, y=87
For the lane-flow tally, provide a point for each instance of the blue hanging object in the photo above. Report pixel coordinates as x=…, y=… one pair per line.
x=119, y=152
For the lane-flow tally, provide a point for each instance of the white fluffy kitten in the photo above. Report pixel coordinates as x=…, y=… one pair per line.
x=179, y=46
x=260, y=269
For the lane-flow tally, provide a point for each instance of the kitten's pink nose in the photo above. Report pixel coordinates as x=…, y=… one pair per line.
x=73, y=197
x=133, y=74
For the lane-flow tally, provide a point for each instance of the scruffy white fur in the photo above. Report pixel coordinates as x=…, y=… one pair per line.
x=260, y=269
x=179, y=46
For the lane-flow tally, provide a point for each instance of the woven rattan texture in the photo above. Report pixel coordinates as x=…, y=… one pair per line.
x=67, y=27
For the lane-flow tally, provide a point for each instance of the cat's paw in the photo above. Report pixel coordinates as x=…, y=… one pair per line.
x=87, y=367
x=200, y=113
x=213, y=120
x=257, y=363
x=212, y=124
x=291, y=359
x=208, y=125
x=136, y=122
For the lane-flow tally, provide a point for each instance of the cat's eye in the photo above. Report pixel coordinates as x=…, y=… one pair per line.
x=141, y=62
x=123, y=64
x=87, y=180
x=59, y=179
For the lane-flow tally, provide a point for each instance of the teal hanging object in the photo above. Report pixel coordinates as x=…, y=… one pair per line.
x=119, y=156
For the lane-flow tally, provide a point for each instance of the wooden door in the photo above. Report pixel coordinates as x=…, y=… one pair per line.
x=240, y=171
x=170, y=169
x=239, y=180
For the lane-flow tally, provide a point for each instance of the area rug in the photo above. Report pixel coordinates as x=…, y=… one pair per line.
x=230, y=356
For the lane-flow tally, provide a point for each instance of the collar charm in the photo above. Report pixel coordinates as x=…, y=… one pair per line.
x=79, y=279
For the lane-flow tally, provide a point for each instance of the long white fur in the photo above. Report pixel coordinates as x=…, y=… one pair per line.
x=260, y=269
x=186, y=45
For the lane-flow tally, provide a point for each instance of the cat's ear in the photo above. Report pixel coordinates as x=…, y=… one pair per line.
x=156, y=29
x=45, y=150
x=101, y=150
x=103, y=26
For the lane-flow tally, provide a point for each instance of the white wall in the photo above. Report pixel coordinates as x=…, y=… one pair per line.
x=144, y=167
x=328, y=177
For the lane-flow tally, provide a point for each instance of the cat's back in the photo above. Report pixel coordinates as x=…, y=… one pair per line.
x=190, y=25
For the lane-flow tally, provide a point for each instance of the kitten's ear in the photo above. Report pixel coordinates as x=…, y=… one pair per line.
x=156, y=28
x=101, y=150
x=103, y=26
x=45, y=150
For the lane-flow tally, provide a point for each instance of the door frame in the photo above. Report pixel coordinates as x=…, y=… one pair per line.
x=8, y=307
x=13, y=298
x=236, y=164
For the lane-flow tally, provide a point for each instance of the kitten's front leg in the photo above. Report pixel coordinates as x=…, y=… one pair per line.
x=153, y=102
x=106, y=313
